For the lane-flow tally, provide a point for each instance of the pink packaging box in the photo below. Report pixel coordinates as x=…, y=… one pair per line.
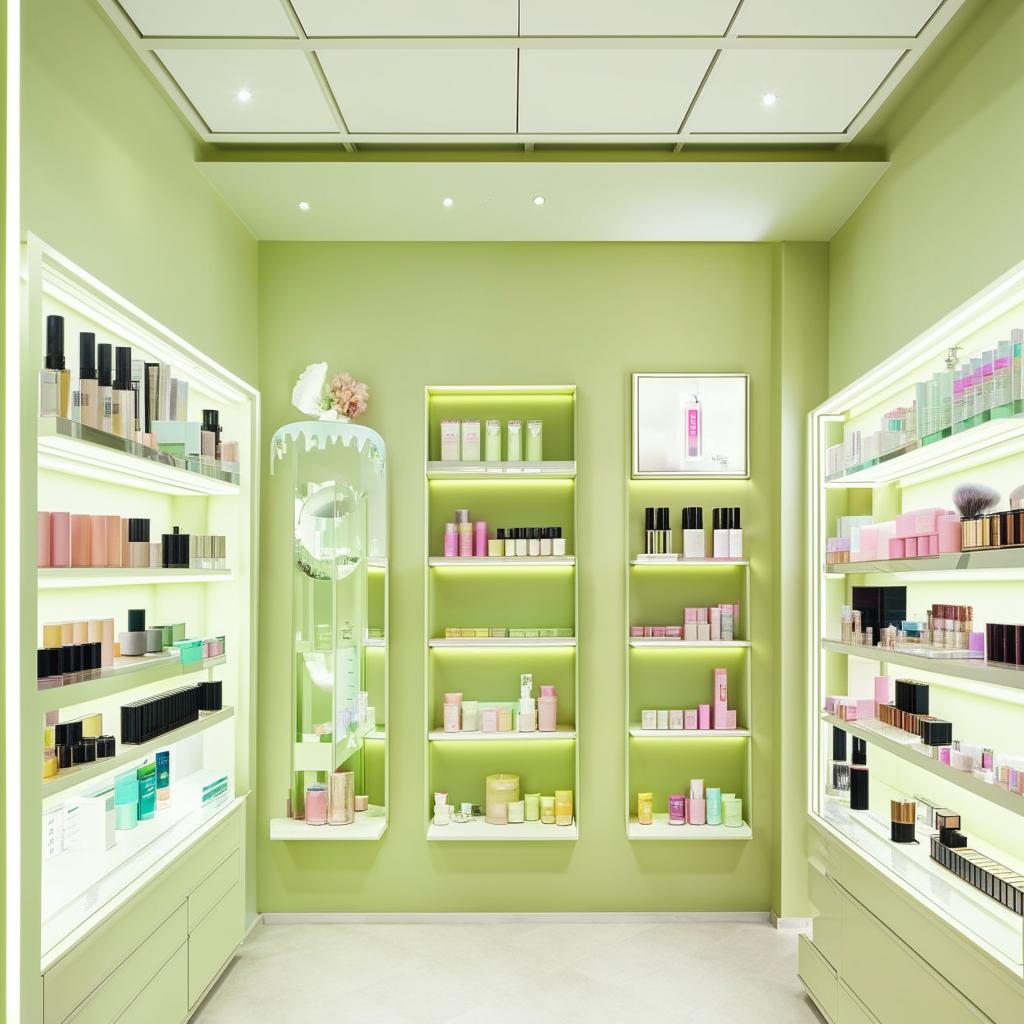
x=882, y=689
x=949, y=532
x=911, y=547
x=690, y=719
x=703, y=716
x=658, y=631
x=636, y=630
x=932, y=541
x=730, y=719
x=897, y=547
x=868, y=544
x=720, y=703
x=674, y=632
x=648, y=631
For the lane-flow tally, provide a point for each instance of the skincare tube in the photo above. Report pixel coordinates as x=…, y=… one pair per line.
x=492, y=441
x=735, y=534
x=693, y=532
x=514, y=444
x=534, y=440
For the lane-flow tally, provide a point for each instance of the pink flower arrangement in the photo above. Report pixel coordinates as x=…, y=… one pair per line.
x=349, y=397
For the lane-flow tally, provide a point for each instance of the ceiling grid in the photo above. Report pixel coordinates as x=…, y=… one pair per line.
x=586, y=74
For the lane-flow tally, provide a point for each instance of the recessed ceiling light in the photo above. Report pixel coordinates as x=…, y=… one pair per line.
x=244, y=95
x=538, y=200
x=303, y=205
x=447, y=202
x=768, y=99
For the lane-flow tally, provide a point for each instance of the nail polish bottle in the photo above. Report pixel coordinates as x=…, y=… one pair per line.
x=558, y=543
x=720, y=533
x=104, y=392
x=55, y=362
x=88, y=380
x=735, y=534
x=693, y=532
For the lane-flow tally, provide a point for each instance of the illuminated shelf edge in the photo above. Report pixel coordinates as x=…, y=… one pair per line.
x=648, y=642
x=661, y=829
x=563, y=732
x=498, y=561
x=687, y=734
x=995, y=560
x=478, y=830
x=511, y=641
x=69, y=579
x=368, y=826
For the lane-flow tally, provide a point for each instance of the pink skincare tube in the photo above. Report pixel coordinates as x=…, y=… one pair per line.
x=451, y=540
x=98, y=541
x=480, y=539
x=80, y=537
x=43, y=540
x=60, y=540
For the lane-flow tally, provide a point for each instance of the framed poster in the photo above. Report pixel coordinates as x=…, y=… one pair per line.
x=690, y=424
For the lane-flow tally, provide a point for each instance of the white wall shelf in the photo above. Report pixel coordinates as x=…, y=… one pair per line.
x=661, y=643
x=369, y=826
x=125, y=674
x=74, y=579
x=976, y=669
x=502, y=561
x=508, y=641
x=563, y=732
x=500, y=470
x=79, y=450
x=661, y=829
x=908, y=747
x=687, y=734
x=479, y=830
x=678, y=562
x=129, y=753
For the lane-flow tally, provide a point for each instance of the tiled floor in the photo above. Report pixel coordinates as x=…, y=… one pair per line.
x=496, y=973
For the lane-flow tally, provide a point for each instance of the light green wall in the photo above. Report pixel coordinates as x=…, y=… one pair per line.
x=109, y=179
x=402, y=316
x=947, y=217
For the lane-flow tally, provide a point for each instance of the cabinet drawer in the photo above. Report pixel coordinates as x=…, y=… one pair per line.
x=162, y=1001
x=851, y=1009
x=70, y=980
x=891, y=980
x=109, y=1000
x=213, y=941
x=818, y=977
x=207, y=894
x=826, y=896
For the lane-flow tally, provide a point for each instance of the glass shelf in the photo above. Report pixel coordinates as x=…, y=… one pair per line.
x=506, y=641
x=501, y=470
x=687, y=734
x=80, y=450
x=994, y=564
x=500, y=562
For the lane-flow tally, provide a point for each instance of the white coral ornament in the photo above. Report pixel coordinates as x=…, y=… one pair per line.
x=309, y=390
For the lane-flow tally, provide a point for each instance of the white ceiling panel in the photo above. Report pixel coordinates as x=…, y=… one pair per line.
x=285, y=95
x=608, y=90
x=417, y=90
x=208, y=17
x=636, y=18
x=834, y=17
x=815, y=90
x=408, y=17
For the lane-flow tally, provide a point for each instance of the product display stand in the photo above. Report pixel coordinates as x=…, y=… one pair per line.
x=534, y=597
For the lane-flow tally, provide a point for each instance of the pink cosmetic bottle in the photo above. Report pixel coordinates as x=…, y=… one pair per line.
x=43, y=529
x=451, y=540
x=80, y=541
x=60, y=540
x=480, y=539
x=547, y=709
x=112, y=526
x=98, y=542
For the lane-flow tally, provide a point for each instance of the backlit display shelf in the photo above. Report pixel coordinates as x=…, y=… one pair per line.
x=663, y=643
x=478, y=829
x=994, y=564
x=678, y=562
x=501, y=470
x=76, y=578
x=687, y=734
x=369, y=826
x=661, y=829
x=976, y=669
x=501, y=561
x=506, y=641
x=563, y=732
x=80, y=450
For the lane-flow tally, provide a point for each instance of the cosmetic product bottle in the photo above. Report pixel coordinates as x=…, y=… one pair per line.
x=650, y=536
x=480, y=539
x=645, y=808
x=470, y=716
x=43, y=530
x=452, y=712
x=697, y=804
x=163, y=779
x=714, y=807
x=563, y=806
x=465, y=539
x=735, y=534
x=341, y=798
x=510, y=542
x=81, y=537
x=693, y=532
x=516, y=812
x=138, y=543
x=522, y=543
x=104, y=391
x=174, y=549
x=547, y=810
x=496, y=544
x=533, y=542
x=60, y=540
x=546, y=541
x=133, y=642
x=492, y=441
x=123, y=410
x=126, y=800
x=316, y=805
x=858, y=787
x=55, y=362
x=558, y=543
x=450, y=449
x=514, y=442
x=676, y=809
x=49, y=393
x=732, y=810
x=720, y=534
x=534, y=440
x=693, y=450
x=211, y=425
x=532, y=806
x=88, y=379
x=451, y=540
x=547, y=709
x=470, y=440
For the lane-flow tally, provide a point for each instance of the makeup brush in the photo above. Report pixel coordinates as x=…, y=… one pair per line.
x=973, y=500
x=1017, y=497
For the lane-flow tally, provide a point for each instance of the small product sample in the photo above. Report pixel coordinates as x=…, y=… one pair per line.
x=528, y=714
x=716, y=715
x=141, y=402
x=949, y=848
x=465, y=538
x=702, y=806
x=462, y=441
x=699, y=625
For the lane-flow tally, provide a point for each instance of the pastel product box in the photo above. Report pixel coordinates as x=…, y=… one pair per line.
x=703, y=716
x=636, y=631
x=649, y=719
x=867, y=550
x=730, y=719
x=190, y=651
x=910, y=547
x=43, y=529
x=673, y=632
x=932, y=540
x=950, y=533
x=976, y=642
x=60, y=539
x=648, y=631
x=675, y=719
x=886, y=532
x=450, y=440
x=182, y=438
x=89, y=822
x=147, y=790
x=883, y=686
x=81, y=536
x=658, y=631
x=663, y=719
x=488, y=719
x=924, y=520
x=720, y=702
x=690, y=718
x=470, y=440
x=492, y=441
